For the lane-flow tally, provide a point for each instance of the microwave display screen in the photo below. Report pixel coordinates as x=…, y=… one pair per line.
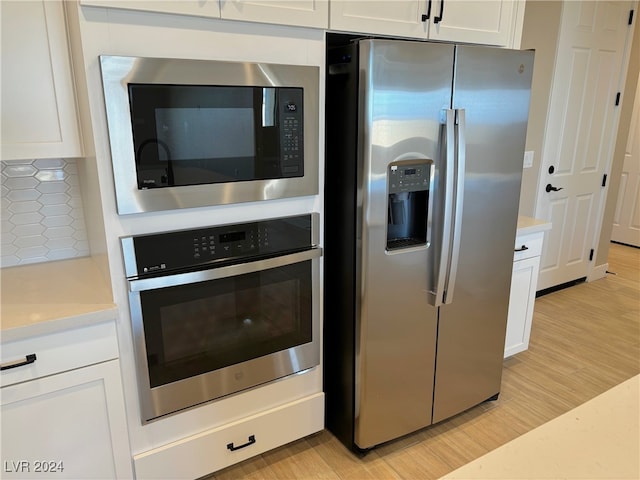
x=201, y=134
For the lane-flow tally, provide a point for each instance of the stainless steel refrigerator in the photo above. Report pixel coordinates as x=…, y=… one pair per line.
x=424, y=154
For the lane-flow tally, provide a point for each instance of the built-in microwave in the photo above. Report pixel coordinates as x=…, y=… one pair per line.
x=193, y=133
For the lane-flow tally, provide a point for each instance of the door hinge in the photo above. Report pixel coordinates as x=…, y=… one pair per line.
x=630, y=17
x=617, y=99
x=604, y=180
x=591, y=255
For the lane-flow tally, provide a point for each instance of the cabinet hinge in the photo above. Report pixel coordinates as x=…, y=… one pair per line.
x=591, y=255
x=617, y=99
x=604, y=180
x=630, y=17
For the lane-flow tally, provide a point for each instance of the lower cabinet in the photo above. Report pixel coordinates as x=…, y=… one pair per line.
x=217, y=448
x=524, y=279
x=67, y=423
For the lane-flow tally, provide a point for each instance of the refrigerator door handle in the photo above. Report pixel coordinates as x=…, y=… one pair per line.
x=460, y=145
x=445, y=246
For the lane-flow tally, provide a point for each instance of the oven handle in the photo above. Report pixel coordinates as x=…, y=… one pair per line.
x=143, y=284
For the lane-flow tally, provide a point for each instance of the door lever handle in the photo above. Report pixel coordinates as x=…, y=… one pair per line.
x=551, y=188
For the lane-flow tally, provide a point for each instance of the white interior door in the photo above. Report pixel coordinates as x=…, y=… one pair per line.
x=580, y=135
x=626, y=222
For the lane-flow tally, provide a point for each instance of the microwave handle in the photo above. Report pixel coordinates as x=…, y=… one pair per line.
x=142, y=284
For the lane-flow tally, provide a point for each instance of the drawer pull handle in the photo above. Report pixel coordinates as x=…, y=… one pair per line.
x=252, y=440
x=522, y=248
x=31, y=358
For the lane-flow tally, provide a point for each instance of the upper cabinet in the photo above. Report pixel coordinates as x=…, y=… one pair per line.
x=396, y=18
x=201, y=8
x=39, y=115
x=303, y=13
x=488, y=22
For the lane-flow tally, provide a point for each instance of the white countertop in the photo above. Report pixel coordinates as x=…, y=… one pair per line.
x=528, y=225
x=46, y=297
x=600, y=439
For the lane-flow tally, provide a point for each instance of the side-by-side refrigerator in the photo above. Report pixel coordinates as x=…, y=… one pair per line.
x=424, y=155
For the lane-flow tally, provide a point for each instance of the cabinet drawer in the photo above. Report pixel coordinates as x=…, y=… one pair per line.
x=59, y=352
x=528, y=246
x=215, y=449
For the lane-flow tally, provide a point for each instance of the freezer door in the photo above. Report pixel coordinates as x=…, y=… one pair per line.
x=492, y=87
x=405, y=87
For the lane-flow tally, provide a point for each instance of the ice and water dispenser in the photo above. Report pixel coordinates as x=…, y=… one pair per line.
x=408, y=203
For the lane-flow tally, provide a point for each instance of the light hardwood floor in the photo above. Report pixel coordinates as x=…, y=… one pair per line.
x=584, y=340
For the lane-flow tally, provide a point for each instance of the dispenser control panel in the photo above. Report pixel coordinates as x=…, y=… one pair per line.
x=409, y=176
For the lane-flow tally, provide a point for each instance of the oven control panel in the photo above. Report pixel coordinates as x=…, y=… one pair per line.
x=162, y=253
x=232, y=243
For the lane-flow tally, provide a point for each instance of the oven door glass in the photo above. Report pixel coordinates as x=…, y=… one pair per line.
x=201, y=327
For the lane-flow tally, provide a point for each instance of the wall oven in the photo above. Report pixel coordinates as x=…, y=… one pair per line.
x=193, y=133
x=221, y=309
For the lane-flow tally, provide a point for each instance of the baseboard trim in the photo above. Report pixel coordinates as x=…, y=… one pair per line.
x=598, y=272
x=562, y=286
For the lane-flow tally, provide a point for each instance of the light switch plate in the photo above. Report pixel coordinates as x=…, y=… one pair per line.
x=528, y=159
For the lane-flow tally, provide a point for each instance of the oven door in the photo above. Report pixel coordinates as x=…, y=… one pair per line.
x=202, y=335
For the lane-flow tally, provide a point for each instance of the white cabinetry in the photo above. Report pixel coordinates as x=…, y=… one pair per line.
x=217, y=448
x=200, y=8
x=304, y=13
x=39, y=116
x=63, y=414
x=526, y=266
x=489, y=22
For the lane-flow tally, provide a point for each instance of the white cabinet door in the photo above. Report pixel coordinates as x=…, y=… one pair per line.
x=398, y=18
x=303, y=13
x=39, y=117
x=200, y=8
x=487, y=22
x=521, y=301
x=71, y=425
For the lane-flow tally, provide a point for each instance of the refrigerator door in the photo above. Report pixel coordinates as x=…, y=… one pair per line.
x=492, y=87
x=404, y=88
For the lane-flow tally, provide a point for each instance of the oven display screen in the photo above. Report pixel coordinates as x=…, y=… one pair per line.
x=232, y=237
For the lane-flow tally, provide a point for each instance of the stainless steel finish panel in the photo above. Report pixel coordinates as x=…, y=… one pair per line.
x=404, y=88
x=222, y=272
x=492, y=85
x=447, y=207
x=459, y=175
x=117, y=72
x=173, y=397
x=129, y=257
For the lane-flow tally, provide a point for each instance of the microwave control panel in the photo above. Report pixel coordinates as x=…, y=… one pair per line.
x=291, y=132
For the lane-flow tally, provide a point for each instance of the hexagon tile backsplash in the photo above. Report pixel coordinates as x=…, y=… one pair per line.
x=42, y=216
